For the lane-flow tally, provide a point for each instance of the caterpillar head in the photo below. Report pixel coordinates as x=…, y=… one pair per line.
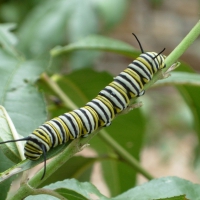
x=157, y=57
x=33, y=149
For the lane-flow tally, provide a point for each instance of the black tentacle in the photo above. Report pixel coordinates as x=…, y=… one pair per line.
x=159, y=54
x=45, y=160
x=22, y=139
x=139, y=43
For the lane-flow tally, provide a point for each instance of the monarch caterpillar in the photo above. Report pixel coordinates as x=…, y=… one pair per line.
x=99, y=112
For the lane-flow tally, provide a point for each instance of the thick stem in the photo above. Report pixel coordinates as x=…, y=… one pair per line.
x=184, y=44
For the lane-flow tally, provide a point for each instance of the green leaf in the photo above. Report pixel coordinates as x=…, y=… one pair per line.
x=74, y=190
x=18, y=95
x=5, y=163
x=44, y=27
x=52, y=22
x=114, y=15
x=162, y=188
x=82, y=11
x=181, y=197
x=8, y=132
x=97, y=42
x=22, y=100
x=7, y=39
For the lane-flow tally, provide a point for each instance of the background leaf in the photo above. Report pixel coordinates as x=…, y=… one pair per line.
x=96, y=42
x=73, y=190
x=7, y=134
x=165, y=187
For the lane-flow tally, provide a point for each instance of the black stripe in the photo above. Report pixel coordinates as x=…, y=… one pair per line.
x=41, y=133
x=73, y=125
x=139, y=74
x=107, y=106
x=61, y=130
x=80, y=117
x=52, y=134
x=34, y=140
x=132, y=77
x=102, y=109
x=124, y=86
x=157, y=63
x=148, y=62
x=115, y=95
x=132, y=84
x=31, y=151
x=88, y=119
x=142, y=68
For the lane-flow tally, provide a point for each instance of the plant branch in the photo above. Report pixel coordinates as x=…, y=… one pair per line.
x=175, y=54
x=54, y=86
x=125, y=155
x=183, y=45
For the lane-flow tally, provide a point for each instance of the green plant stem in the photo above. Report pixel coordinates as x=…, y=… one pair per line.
x=184, y=44
x=54, y=86
x=125, y=155
x=175, y=54
x=108, y=139
x=26, y=189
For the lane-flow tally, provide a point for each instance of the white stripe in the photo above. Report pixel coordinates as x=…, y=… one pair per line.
x=131, y=79
x=99, y=110
x=73, y=132
x=144, y=68
x=113, y=99
x=128, y=85
x=91, y=119
x=84, y=119
x=53, y=132
x=59, y=130
x=39, y=140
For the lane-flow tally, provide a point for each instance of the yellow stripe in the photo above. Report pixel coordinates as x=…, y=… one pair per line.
x=94, y=114
x=44, y=137
x=108, y=104
x=82, y=130
x=145, y=63
x=162, y=61
x=34, y=150
x=56, y=131
x=120, y=89
x=135, y=76
x=66, y=129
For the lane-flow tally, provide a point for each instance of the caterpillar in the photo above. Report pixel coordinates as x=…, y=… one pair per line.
x=99, y=112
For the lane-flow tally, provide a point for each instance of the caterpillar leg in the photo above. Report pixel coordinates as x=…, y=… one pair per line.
x=84, y=146
x=173, y=67
x=131, y=107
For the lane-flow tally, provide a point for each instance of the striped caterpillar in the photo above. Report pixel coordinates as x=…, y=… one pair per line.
x=99, y=112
